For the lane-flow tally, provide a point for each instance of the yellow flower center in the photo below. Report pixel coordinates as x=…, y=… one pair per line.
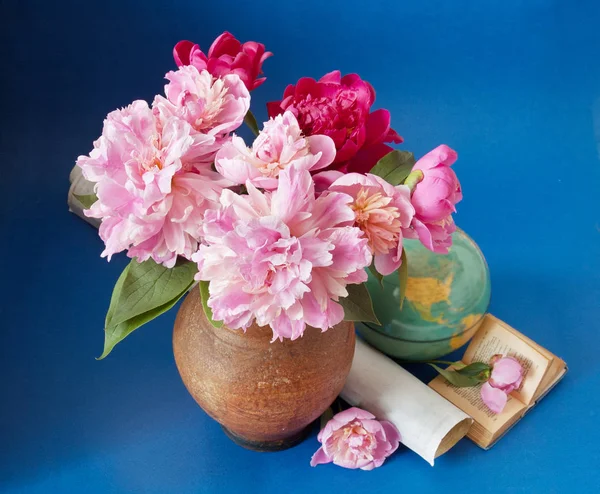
x=378, y=220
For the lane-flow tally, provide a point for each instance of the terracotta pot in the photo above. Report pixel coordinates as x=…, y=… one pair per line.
x=265, y=395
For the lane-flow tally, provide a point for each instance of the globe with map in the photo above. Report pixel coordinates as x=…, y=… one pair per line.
x=446, y=299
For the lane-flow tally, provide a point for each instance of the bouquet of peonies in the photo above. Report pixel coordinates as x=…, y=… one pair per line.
x=279, y=232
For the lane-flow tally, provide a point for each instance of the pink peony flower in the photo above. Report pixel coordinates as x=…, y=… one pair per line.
x=434, y=199
x=340, y=107
x=279, y=145
x=354, y=439
x=212, y=106
x=383, y=212
x=282, y=258
x=507, y=375
x=151, y=197
x=226, y=56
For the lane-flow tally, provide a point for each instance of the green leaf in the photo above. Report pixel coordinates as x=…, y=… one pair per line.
x=455, y=378
x=116, y=293
x=86, y=200
x=403, y=276
x=114, y=334
x=326, y=417
x=250, y=121
x=478, y=370
x=395, y=166
x=207, y=310
x=377, y=274
x=358, y=305
x=148, y=285
x=143, y=292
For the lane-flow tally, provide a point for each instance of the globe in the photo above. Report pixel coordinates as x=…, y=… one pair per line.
x=447, y=296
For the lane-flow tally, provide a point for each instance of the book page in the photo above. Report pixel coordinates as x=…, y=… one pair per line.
x=496, y=337
x=469, y=400
x=555, y=373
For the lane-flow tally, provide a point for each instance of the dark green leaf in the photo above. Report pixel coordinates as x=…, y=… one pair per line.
x=394, y=167
x=403, y=275
x=326, y=417
x=478, y=370
x=114, y=334
x=86, y=200
x=358, y=305
x=116, y=293
x=148, y=285
x=377, y=274
x=250, y=121
x=207, y=310
x=143, y=292
x=458, y=380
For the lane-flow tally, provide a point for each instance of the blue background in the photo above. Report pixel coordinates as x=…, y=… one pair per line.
x=513, y=86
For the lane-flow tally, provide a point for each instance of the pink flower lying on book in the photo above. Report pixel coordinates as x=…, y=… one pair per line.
x=506, y=376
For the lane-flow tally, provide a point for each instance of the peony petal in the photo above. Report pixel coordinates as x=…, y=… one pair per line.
x=323, y=180
x=494, y=398
x=505, y=372
x=392, y=435
x=324, y=145
x=386, y=264
x=378, y=125
x=351, y=414
x=181, y=52
x=320, y=458
x=333, y=77
x=441, y=155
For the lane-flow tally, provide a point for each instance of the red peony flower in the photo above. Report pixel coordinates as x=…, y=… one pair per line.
x=340, y=107
x=226, y=56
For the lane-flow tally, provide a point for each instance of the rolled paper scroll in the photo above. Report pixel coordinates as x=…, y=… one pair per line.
x=429, y=424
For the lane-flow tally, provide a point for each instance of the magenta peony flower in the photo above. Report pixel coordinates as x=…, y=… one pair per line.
x=279, y=145
x=340, y=107
x=214, y=106
x=383, y=212
x=507, y=375
x=226, y=56
x=282, y=258
x=151, y=194
x=434, y=199
x=354, y=439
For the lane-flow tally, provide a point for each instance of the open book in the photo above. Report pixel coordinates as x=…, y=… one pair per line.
x=542, y=370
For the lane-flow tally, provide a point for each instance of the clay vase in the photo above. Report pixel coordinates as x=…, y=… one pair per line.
x=265, y=395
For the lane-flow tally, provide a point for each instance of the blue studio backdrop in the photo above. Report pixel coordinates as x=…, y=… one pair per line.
x=513, y=86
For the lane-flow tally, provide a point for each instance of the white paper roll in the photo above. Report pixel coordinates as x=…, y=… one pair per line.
x=429, y=424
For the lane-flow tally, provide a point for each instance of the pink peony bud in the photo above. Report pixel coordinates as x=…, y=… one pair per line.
x=434, y=199
x=507, y=376
x=226, y=56
x=355, y=439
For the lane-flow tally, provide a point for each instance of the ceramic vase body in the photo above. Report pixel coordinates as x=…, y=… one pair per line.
x=265, y=395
